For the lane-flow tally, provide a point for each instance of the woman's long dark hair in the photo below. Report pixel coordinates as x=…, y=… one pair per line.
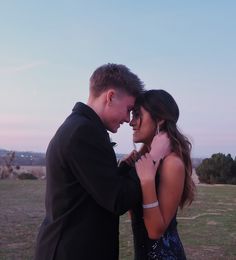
x=162, y=106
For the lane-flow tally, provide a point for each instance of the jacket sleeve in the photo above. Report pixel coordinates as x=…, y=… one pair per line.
x=92, y=160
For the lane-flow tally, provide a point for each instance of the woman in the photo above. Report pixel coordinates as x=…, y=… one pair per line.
x=166, y=185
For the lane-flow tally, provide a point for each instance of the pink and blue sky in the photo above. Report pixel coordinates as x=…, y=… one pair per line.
x=49, y=49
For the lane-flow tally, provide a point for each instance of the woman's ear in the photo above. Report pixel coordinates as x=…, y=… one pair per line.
x=159, y=124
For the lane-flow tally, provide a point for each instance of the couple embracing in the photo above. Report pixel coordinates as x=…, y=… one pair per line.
x=87, y=190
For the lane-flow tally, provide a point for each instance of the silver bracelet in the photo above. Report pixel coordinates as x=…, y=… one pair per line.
x=151, y=205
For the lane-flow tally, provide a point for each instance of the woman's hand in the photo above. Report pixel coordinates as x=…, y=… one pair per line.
x=146, y=169
x=160, y=147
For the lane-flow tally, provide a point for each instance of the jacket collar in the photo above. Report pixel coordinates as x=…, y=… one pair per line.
x=91, y=114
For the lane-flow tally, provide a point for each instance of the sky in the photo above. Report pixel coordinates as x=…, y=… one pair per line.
x=49, y=49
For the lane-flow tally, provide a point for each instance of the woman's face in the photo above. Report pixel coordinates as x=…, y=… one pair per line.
x=144, y=127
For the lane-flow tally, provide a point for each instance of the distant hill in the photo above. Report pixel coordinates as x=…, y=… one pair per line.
x=196, y=162
x=25, y=158
x=34, y=158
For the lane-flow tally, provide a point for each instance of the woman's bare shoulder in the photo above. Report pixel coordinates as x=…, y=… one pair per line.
x=173, y=164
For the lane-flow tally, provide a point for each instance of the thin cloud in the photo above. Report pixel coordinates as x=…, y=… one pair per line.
x=21, y=68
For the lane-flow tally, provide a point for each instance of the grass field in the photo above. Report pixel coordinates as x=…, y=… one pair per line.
x=207, y=228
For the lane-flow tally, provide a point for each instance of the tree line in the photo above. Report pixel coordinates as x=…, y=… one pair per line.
x=219, y=169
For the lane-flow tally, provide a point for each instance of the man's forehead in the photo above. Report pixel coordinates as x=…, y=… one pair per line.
x=131, y=103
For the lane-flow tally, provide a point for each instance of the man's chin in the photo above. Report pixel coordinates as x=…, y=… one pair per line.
x=116, y=130
x=113, y=130
x=136, y=140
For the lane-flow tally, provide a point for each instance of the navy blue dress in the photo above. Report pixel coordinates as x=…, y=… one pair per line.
x=168, y=246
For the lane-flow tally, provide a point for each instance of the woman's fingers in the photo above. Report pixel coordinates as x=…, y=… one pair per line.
x=146, y=166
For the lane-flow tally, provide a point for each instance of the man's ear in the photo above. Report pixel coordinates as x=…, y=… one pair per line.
x=109, y=96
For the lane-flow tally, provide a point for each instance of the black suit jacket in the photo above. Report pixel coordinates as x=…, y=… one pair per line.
x=86, y=192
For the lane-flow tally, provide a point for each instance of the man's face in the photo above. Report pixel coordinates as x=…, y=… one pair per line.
x=118, y=111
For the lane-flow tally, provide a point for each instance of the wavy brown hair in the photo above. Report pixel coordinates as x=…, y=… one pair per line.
x=162, y=106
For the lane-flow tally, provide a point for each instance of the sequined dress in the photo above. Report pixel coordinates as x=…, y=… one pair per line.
x=168, y=247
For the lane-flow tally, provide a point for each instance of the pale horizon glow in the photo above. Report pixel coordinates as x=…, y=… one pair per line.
x=49, y=51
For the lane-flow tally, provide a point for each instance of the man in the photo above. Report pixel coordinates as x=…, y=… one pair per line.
x=85, y=191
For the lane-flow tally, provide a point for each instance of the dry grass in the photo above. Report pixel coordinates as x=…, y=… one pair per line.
x=207, y=228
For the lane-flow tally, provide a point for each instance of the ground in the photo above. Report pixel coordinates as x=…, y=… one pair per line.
x=207, y=228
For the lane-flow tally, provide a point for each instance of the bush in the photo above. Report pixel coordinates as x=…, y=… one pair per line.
x=219, y=168
x=27, y=176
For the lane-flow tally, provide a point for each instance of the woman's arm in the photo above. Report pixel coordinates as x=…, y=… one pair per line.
x=169, y=193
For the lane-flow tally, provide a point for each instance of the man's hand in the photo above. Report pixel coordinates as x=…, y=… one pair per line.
x=130, y=159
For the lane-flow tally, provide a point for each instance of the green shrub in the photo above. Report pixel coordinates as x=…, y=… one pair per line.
x=219, y=168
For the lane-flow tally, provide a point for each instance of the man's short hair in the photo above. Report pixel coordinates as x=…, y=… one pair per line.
x=117, y=76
